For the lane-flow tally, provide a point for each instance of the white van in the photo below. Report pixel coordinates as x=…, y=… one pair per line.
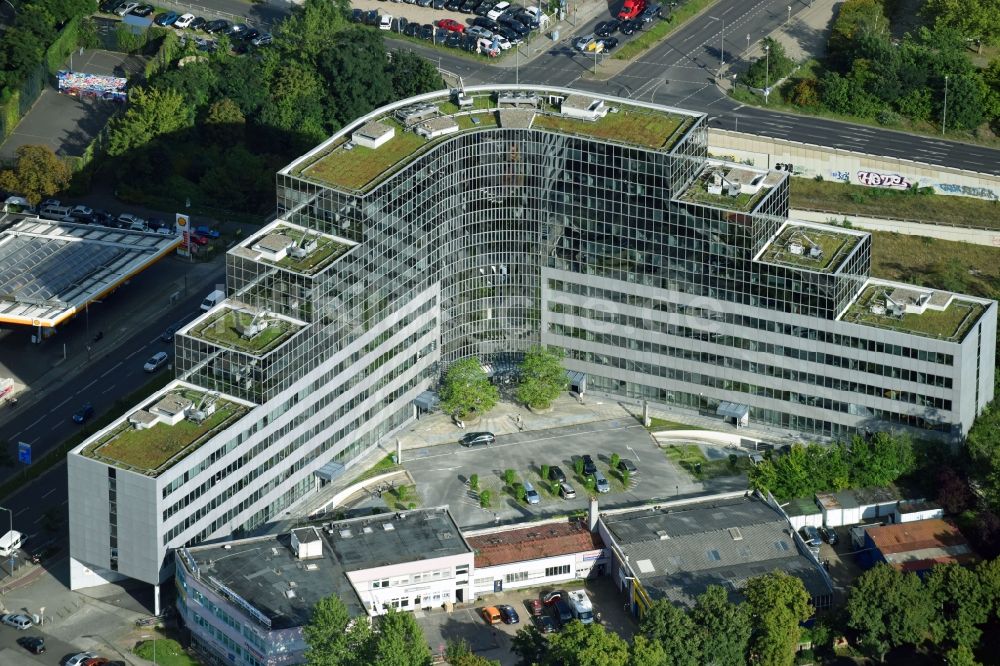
x=10, y=542
x=54, y=212
x=213, y=299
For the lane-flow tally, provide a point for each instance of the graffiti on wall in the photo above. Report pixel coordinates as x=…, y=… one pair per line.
x=893, y=180
x=968, y=191
x=842, y=176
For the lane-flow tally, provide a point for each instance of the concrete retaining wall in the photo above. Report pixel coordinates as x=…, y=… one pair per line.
x=847, y=166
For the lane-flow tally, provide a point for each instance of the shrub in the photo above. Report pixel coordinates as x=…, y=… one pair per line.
x=806, y=93
x=625, y=476
x=474, y=482
x=578, y=466
x=615, y=459
x=509, y=476
x=544, y=472
x=520, y=493
x=484, y=499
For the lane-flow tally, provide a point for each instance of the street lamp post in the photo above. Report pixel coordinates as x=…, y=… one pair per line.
x=944, y=117
x=767, y=72
x=789, y=13
x=748, y=41
x=722, y=42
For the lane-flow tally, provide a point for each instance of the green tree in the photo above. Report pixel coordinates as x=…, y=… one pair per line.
x=530, y=645
x=224, y=122
x=412, y=74
x=983, y=447
x=723, y=628
x=615, y=459
x=975, y=19
x=960, y=605
x=778, y=604
x=295, y=102
x=880, y=460
x=151, y=113
x=586, y=645
x=670, y=627
x=355, y=69
x=474, y=482
x=645, y=652
x=989, y=577
x=309, y=31
x=961, y=656
x=467, y=390
x=967, y=101
x=399, y=641
x=769, y=67
x=332, y=638
x=543, y=377
x=485, y=497
x=578, y=466
x=37, y=173
x=509, y=477
x=543, y=471
x=888, y=609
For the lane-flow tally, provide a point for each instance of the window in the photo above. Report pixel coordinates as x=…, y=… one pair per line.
x=380, y=583
x=557, y=571
x=462, y=570
x=516, y=577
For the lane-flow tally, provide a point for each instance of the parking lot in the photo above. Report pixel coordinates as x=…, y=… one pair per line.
x=440, y=627
x=442, y=472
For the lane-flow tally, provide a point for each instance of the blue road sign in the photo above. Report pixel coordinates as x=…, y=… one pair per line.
x=24, y=453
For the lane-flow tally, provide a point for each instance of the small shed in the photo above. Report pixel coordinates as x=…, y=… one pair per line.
x=435, y=127
x=839, y=508
x=373, y=134
x=803, y=511
x=307, y=543
x=910, y=511
x=876, y=503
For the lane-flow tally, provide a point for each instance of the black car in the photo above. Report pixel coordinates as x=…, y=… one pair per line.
x=103, y=218
x=453, y=5
x=441, y=35
x=168, y=334
x=470, y=43
x=483, y=8
x=33, y=644
x=371, y=18
x=198, y=23
x=400, y=24
x=561, y=613
x=487, y=23
x=427, y=32
x=652, y=11
x=546, y=625
x=470, y=439
x=516, y=26
x=411, y=29
x=626, y=465
x=438, y=4
x=828, y=535
x=357, y=15
x=610, y=44
x=468, y=6
x=556, y=474
x=143, y=10
x=513, y=37
x=250, y=35
x=508, y=614
x=607, y=28
x=454, y=40
x=109, y=6
x=218, y=25
x=588, y=465
x=630, y=27
x=527, y=19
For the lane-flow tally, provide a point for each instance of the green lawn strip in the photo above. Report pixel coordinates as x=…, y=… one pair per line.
x=383, y=466
x=690, y=456
x=847, y=199
x=663, y=27
x=656, y=425
x=834, y=245
x=168, y=652
x=57, y=455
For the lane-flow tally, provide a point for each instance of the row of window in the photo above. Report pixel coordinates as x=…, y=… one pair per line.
x=764, y=369
x=400, y=581
x=221, y=639
x=768, y=325
x=521, y=576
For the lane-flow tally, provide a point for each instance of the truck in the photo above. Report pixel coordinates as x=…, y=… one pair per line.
x=580, y=604
x=10, y=543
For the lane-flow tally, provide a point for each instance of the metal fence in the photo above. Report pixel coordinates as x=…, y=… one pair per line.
x=249, y=17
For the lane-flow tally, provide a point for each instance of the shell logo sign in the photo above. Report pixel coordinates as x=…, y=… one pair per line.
x=183, y=225
x=182, y=221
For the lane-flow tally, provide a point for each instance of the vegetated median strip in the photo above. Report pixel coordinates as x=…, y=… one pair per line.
x=663, y=27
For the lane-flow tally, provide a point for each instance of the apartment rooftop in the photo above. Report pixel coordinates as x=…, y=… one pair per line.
x=246, y=329
x=917, y=310
x=164, y=428
x=357, y=157
x=293, y=248
x=731, y=186
x=811, y=246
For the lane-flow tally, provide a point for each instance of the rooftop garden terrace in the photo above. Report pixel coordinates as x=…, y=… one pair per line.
x=812, y=248
x=327, y=250
x=153, y=450
x=702, y=190
x=350, y=166
x=243, y=330
x=951, y=323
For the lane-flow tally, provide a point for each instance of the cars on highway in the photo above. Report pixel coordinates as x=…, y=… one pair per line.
x=84, y=413
x=508, y=614
x=556, y=474
x=490, y=615
x=566, y=491
x=471, y=439
x=156, y=361
x=33, y=644
x=168, y=333
x=16, y=620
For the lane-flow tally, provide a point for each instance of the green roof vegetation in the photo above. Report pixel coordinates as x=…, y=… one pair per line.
x=355, y=168
x=150, y=449
x=698, y=192
x=224, y=329
x=834, y=245
x=631, y=125
x=951, y=324
x=327, y=250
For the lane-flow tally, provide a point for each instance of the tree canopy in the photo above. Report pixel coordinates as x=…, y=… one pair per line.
x=335, y=639
x=888, y=608
x=778, y=603
x=37, y=173
x=467, y=390
x=542, y=377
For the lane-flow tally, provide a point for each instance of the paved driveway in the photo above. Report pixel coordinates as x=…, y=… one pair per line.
x=442, y=472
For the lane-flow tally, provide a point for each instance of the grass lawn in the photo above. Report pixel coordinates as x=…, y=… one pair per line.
x=327, y=249
x=951, y=323
x=656, y=425
x=629, y=125
x=849, y=199
x=223, y=330
x=401, y=497
x=478, y=102
x=356, y=168
x=168, y=653
x=150, y=448
x=962, y=267
x=691, y=458
x=383, y=466
x=485, y=120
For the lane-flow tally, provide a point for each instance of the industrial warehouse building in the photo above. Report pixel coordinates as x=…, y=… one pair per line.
x=538, y=215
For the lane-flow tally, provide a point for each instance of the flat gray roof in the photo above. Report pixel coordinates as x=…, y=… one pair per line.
x=678, y=552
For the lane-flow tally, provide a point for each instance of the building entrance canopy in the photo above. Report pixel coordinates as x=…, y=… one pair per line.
x=740, y=414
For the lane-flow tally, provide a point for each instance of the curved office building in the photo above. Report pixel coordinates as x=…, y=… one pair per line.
x=478, y=224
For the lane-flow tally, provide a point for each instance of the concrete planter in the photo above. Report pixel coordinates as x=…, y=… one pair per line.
x=543, y=410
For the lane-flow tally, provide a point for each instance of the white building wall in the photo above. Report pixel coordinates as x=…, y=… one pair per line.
x=533, y=573
x=914, y=516
x=421, y=583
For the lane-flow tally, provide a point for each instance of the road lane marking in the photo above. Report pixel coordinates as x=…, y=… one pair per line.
x=35, y=423
x=110, y=388
x=633, y=452
x=59, y=405
x=111, y=369
x=21, y=511
x=86, y=387
x=51, y=490
x=56, y=425
x=137, y=351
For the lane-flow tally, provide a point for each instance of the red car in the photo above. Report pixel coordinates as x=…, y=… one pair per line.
x=451, y=24
x=631, y=9
x=199, y=240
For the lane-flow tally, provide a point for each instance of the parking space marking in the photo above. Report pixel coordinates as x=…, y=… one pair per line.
x=51, y=490
x=633, y=452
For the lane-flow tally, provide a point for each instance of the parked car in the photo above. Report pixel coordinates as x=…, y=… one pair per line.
x=79, y=658
x=631, y=9
x=498, y=10
x=438, y=4
x=561, y=612
x=412, y=30
x=651, y=12
x=535, y=606
x=479, y=32
x=451, y=24
x=156, y=361
x=588, y=465
x=454, y=40
x=184, y=21
x=16, y=620
x=218, y=25
x=626, y=465
x=582, y=42
x=424, y=3
x=198, y=23
x=545, y=624
x=143, y=10
x=263, y=39
x=490, y=615
x=478, y=439
x=427, y=31
x=109, y=6
x=198, y=239
x=811, y=536
x=125, y=8
x=630, y=27
x=607, y=28
x=510, y=35
x=609, y=44
x=755, y=458
x=502, y=42
x=130, y=221
x=549, y=598
x=484, y=22
x=556, y=474
x=469, y=6
x=82, y=211
x=453, y=5
x=96, y=661
x=483, y=8
x=357, y=15
x=166, y=19
x=601, y=483
x=566, y=491
x=527, y=19
x=508, y=614
x=828, y=535
x=371, y=18
x=515, y=25
x=385, y=22
x=33, y=644
x=83, y=413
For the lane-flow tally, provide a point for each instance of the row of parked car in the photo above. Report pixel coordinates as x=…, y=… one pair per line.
x=238, y=33
x=634, y=16
x=55, y=210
